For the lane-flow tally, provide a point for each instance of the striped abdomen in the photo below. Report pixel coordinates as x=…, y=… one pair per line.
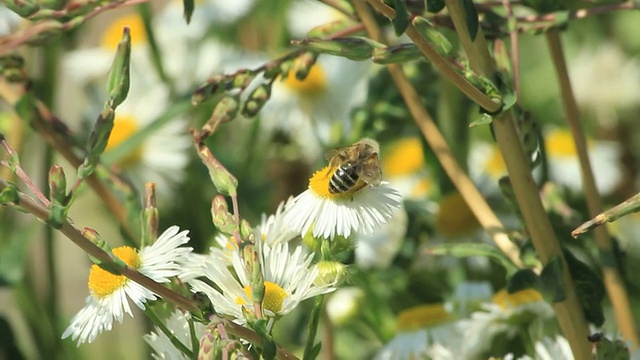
x=343, y=179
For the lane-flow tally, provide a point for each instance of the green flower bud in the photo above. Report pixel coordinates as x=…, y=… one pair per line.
x=325, y=30
x=215, y=85
x=303, y=64
x=58, y=184
x=118, y=81
x=258, y=97
x=9, y=195
x=24, y=8
x=354, y=48
x=246, y=231
x=330, y=273
x=222, y=179
x=396, y=54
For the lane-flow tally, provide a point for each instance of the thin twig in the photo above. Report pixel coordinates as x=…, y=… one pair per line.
x=437, y=142
x=20, y=173
x=612, y=280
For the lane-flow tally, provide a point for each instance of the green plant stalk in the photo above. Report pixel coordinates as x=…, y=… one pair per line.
x=73, y=234
x=316, y=312
x=612, y=280
x=474, y=199
x=569, y=312
x=49, y=84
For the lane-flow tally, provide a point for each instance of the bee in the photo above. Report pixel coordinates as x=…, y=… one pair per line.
x=359, y=161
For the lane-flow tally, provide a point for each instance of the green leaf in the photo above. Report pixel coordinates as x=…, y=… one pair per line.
x=401, y=21
x=8, y=344
x=521, y=280
x=471, y=17
x=189, y=6
x=463, y=250
x=589, y=288
x=552, y=284
x=485, y=119
x=434, y=6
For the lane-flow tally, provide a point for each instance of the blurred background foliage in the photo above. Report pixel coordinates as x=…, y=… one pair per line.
x=273, y=154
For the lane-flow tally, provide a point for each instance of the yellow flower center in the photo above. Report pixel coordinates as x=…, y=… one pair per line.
x=112, y=35
x=559, y=142
x=509, y=301
x=123, y=128
x=274, y=296
x=315, y=83
x=405, y=158
x=495, y=165
x=103, y=283
x=454, y=216
x=319, y=184
x=422, y=188
x=422, y=316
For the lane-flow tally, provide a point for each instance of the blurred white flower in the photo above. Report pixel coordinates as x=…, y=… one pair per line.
x=404, y=166
x=424, y=332
x=506, y=316
x=9, y=21
x=344, y=304
x=312, y=109
x=110, y=293
x=178, y=325
x=378, y=249
x=304, y=15
x=162, y=156
x=564, y=167
x=605, y=81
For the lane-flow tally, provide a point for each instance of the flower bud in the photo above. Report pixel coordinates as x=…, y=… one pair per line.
x=118, y=81
x=330, y=273
x=258, y=97
x=354, y=48
x=396, y=54
x=58, y=184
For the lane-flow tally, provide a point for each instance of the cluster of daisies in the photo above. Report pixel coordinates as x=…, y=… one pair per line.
x=288, y=270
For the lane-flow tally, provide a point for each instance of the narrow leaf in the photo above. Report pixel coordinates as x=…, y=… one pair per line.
x=401, y=21
x=471, y=17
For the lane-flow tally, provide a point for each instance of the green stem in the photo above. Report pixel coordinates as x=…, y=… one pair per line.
x=612, y=280
x=144, y=9
x=161, y=325
x=316, y=312
x=569, y=312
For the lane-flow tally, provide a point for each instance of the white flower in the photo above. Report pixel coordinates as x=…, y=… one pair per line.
x=9, y=21
x=378, y=249
x=304, y=15
x=311, y=109
x=273, y=229
x=163, y=155
x=605, y=81
x=404, y=166
x=178, y=325
x=288, y=279
x=564, y=167
x=424, y=332
x=506, y=317
x=344, y=304
x=110, y=293
x=340, y=214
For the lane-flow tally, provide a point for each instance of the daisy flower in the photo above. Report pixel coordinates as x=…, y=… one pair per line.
x=289, y=278
x=378, y=249
x=564, y=167
x=424, y=332
x=178, y=324
x=310, y=110
x=405, y=168
x=360, y=210
x=110, y=293
x=605, y=81
x=506, y=316
x=163, y=155
x=345, y=304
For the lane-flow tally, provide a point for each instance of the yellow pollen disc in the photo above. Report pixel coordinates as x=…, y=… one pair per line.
x=274, y=296
x=495, y=165
x=405, y=158
x=422, y=188
x=103, y=283
x=319, y=184
x=559, y=142
x=508, y=301
x=454, y=217
x=315, y=82
x=123, y=128
x=422, y=316
x=112, y=35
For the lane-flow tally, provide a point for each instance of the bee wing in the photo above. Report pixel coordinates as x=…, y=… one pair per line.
x=370, y=171
x=335, y=155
